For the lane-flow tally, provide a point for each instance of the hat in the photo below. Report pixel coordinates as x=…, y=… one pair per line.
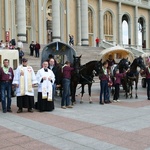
x=24, y=59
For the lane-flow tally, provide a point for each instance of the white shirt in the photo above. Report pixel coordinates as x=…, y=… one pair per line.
x=20, y=44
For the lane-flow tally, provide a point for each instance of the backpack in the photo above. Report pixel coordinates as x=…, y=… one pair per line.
x=21, y=53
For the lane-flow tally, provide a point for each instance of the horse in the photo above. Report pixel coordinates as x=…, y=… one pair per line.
x=123, y=66
x=75, y=76
x=87, y=73
x=83, y=75
x=133, y=74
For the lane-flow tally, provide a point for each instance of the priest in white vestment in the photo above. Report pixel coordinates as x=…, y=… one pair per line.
x=46, y=79
x=24, y=81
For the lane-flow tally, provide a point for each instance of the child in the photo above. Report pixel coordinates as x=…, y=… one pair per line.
x=110, y=83
x=117, y=82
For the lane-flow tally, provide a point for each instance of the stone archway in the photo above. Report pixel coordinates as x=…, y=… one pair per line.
x=49, y=21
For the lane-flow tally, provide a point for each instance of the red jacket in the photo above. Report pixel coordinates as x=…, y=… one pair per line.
x=118, y=77
x=146, y=72
x=97, y=40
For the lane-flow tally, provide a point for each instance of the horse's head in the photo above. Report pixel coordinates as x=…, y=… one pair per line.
x=124, y=64
x=98, y=66
x=140, y=62
x=76, y=61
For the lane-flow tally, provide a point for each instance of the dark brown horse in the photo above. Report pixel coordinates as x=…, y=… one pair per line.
x=87, y=73
x=123, y=66
x=133, y=74
x=75, y=76
x=84, y=75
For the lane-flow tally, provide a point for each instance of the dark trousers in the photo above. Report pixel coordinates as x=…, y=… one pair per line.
x=31, y=51
x=117, y=89
x=148, y=88
x=66, y=93
x=97, y=44
x=6, y=90
x=104, y=89
x=37, y=54
x=20, y=60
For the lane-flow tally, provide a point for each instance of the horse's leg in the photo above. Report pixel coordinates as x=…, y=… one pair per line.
x=131, y=86
x=136, y=87
x=82, y=92
x=89, y=89
x=73, y=92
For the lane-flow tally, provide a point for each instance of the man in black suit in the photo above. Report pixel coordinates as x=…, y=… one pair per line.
x=57, y=72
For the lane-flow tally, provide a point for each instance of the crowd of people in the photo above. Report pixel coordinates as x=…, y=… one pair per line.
x=106, y=82
x=48, y=78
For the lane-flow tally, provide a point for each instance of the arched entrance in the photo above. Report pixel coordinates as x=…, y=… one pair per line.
x=126, y=34
x=49, y=21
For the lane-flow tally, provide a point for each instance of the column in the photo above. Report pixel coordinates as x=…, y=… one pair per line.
x=6, y=15
x=40, y=8
x=100, y=21
x=84, y=23
x=136, y=26
x=119, y=24
x=7, y=34
x=0, y=20
x=78, y=23
x=21, y=20
x=56, y=20
x=68, y=18
x=13, y=26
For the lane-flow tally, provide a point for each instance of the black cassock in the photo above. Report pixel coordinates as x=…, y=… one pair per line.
x=44, y=104
x=25, y=101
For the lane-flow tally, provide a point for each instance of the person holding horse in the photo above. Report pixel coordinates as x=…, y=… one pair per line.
x=66, y=70
x=104, y=78
x=117, y=82
x=146, y=73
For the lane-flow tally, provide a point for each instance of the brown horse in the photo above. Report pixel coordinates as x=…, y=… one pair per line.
x=84, y=75
x=133, y=74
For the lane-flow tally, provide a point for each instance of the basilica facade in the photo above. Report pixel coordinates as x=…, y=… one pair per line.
x=53, y=20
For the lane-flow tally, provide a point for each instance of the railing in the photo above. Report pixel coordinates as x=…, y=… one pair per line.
x=106, y=44
x=135, y=51
x=138, y=47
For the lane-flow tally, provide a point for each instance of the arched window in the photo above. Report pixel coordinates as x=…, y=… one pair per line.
x=108, y=26
x=125, y=35
x=141, y=32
